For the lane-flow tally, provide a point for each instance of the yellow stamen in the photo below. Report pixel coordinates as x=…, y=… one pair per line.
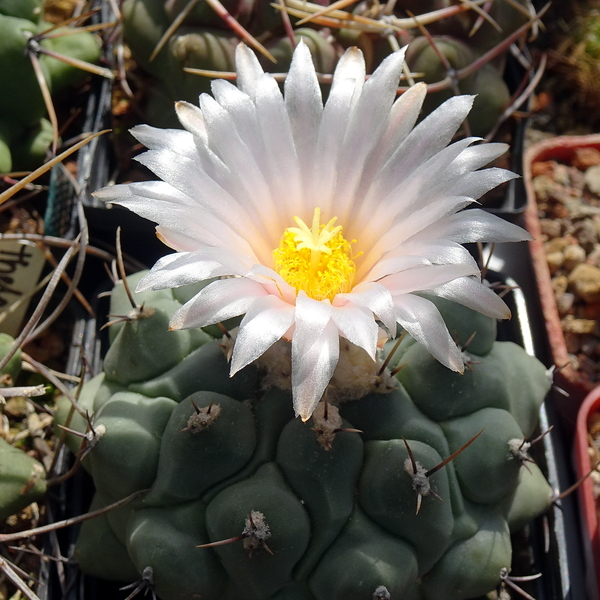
x=317, y=260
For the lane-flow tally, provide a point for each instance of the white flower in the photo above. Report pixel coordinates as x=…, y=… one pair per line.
x=323, y=221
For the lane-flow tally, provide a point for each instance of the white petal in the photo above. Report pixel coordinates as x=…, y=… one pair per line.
x=475, y=225
x=248, y=69
x=420, y=279
x=281, y=158
x=191, y=117
x=311, y=318
x=421, y=252
x=217, y=302
x=350, y=66
x=377, y=298
x=312, y=369
x=175, y=140
x=266, y=321
x=304, y=106
x=368, y=120
x=473, y=294
x=334, y=123
x=423, y=321
x=358, y=326
x=403, y=116
x=175, y=270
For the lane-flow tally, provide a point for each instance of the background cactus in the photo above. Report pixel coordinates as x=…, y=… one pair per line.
x=205, y=41
x=25, y=132
x=314, y=510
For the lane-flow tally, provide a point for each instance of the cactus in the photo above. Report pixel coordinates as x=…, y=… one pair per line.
x=25, y=134
x=205, y=41
x=359, y=502
x=22, y=477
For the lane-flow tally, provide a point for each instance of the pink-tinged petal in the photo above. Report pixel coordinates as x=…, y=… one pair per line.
x=192, y=222
x=190, y=116
x=421, y=252
x=312, y=368
x=416, y=221
x=175, y=270
x=393, y=195
x=474, y=226
x=478, y=156
x=396, y=264
x=350, y=66
x=420, y=279
x=266, y=321
x=143, y=190
x=403, y=116
x=280, y=156
x=423, y=321
x=332, y=131
x=176, y=140
x=304, y=106
x=219, y=301
x=473, y=184
x=368, y=120
x=248, y=69
x=357, y=325
x=376, y=297
x=473, y=294
x=311, y=318
x=431, y=135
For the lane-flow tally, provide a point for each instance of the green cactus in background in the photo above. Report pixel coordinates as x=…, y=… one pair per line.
x=25, y=133
x=352, y=504
x=22, y=478
x=204, y=41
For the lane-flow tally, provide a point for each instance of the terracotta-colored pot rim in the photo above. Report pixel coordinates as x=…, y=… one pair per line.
x=587, y=502
x=560, y=149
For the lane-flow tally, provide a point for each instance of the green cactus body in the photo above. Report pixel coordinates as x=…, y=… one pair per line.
x=25, y=135
x=331, y=509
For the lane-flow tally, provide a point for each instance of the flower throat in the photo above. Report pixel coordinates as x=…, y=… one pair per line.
x=317, y=260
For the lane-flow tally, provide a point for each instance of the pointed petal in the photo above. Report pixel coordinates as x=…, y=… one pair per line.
x=217, y=302
x=420, y=279
x=358, y=326
x=190, y=116
x=473, y=294
x=475, y=225
x=312, y=369
x=175, y=270
x=304, y=106
x=266, y=321
x=248, y=69
x=423, y=321
x=377, y=298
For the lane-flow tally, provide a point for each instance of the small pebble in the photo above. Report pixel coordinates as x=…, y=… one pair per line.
x=592, y=179
x=573, y=256
x=555, y=261
x=584, y=281
x=584, y=158
x=578, y=326
x=550, y=228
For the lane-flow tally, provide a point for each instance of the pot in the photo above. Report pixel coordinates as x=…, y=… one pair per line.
x=587, y=501
x=571, y=379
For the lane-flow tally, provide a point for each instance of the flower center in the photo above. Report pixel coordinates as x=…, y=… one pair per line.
x=317, y=260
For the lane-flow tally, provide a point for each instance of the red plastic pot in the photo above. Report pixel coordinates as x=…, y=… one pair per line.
x=560, y=149
x=588, y=504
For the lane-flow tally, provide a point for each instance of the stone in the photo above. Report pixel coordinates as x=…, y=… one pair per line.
x=574, y=255
x=555, y=261
x=551, y=228
x=584, y=158
x=578, y=326
x=564, y=303
x=584, y=281
x=592, y=179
